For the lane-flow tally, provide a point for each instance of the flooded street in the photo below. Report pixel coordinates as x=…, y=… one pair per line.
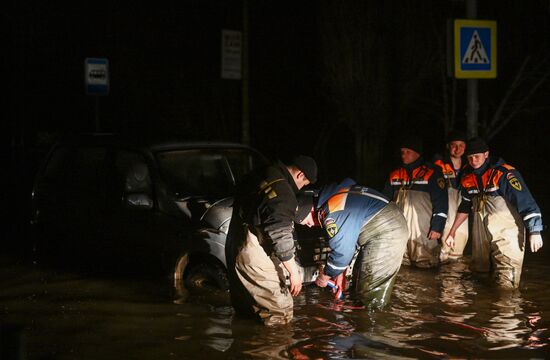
x=445, y=313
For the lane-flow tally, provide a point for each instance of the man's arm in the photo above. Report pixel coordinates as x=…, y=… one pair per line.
x=388, y=189
x=516, y=192
x=459, y=219
x=277, y=218
x=440, y=203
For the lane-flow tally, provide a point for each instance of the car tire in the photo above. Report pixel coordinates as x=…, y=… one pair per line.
x=205, y=276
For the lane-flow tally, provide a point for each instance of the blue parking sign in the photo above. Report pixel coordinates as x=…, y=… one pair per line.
x=475, y=49
x=96, y=76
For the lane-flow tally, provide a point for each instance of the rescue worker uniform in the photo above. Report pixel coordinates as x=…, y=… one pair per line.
x=360, y=218
x=503, y=208
x=452, y=182
x=419, y=191
x=260, y=236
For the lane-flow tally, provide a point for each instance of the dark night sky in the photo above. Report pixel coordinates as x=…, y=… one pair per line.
x=165, y=66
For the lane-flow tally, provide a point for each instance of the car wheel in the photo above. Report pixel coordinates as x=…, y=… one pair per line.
x=199, y=273
x=205, y=276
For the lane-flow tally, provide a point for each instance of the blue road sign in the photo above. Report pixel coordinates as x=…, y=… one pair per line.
x=96, y=76
x=475, y=49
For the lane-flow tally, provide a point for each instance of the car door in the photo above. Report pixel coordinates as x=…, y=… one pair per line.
x=137, y=229
x=82, y=213
x=48, y=200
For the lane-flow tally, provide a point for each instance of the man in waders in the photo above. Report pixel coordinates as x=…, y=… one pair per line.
x=418, y=189
x=503, y=208
x=358, y=217
x=260, y=241
x=452, y=164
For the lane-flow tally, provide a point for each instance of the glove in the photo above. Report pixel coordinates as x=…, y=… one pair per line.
x=535, y=240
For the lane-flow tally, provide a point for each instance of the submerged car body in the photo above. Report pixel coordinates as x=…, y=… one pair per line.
x=110, y=204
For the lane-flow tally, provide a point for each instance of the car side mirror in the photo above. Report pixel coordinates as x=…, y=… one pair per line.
x=139, y=201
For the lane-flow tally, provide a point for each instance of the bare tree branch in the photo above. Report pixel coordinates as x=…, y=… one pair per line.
x=519, y=107
x=515, y=83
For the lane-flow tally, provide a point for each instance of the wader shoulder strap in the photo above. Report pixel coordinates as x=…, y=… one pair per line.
x=489, y=180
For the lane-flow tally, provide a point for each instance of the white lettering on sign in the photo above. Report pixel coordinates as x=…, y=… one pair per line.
x=97, y=74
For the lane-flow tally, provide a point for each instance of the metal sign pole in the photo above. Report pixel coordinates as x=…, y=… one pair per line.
x=97, y=119
x=472, y=104
x=245, y=81
x=96, y=81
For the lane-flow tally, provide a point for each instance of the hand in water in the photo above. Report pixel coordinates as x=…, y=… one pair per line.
x=535, y=240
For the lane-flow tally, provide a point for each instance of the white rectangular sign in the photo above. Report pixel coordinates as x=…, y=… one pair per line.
x=231, y=61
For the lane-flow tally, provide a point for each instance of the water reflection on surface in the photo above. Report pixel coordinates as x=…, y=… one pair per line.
x=443, y=313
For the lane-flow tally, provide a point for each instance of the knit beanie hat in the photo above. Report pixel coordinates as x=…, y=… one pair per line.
x=412, y=142
x=475, y=146
x=456, y=135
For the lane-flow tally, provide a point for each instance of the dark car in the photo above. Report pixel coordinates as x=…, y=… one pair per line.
x=110, y=204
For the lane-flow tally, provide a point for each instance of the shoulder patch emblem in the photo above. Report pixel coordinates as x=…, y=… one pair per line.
x=441, y=183
x=331, y=227
x=515, y=183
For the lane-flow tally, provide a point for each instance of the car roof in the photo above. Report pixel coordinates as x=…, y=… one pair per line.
x=147, y=143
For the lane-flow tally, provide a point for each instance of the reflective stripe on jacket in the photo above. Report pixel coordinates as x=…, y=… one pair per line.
x=496, y=178
x=422, y=176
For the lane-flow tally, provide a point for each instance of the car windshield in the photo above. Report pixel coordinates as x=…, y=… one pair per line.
x=210, y=173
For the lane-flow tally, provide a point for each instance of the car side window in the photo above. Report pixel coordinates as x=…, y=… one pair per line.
x=241, y=162
x=132, y=173
x=196, y=172
x=87, y=170
x=54, y=168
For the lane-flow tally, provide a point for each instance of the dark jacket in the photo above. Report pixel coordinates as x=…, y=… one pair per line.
x=496, y=178
x=267, y=203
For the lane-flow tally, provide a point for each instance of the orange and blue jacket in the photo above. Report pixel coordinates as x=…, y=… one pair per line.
x=422, y=176
x=451, y=175
x=496, y=178
x=343, y=209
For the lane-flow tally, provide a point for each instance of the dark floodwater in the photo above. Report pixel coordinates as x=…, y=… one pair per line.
x=439, y=314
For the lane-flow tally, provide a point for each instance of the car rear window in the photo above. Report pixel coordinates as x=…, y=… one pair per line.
x=87, y=169
x=53, y=170
x=205, y=172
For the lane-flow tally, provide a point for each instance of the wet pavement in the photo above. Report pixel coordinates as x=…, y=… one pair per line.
x=433, y=314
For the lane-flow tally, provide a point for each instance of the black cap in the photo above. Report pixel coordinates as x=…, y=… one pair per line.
x=306, y=165
x=412, y=142
x=305, y=205
x=475, y=146
x=456, y=135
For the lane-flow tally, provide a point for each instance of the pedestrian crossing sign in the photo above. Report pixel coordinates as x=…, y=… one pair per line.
x=475, y=54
